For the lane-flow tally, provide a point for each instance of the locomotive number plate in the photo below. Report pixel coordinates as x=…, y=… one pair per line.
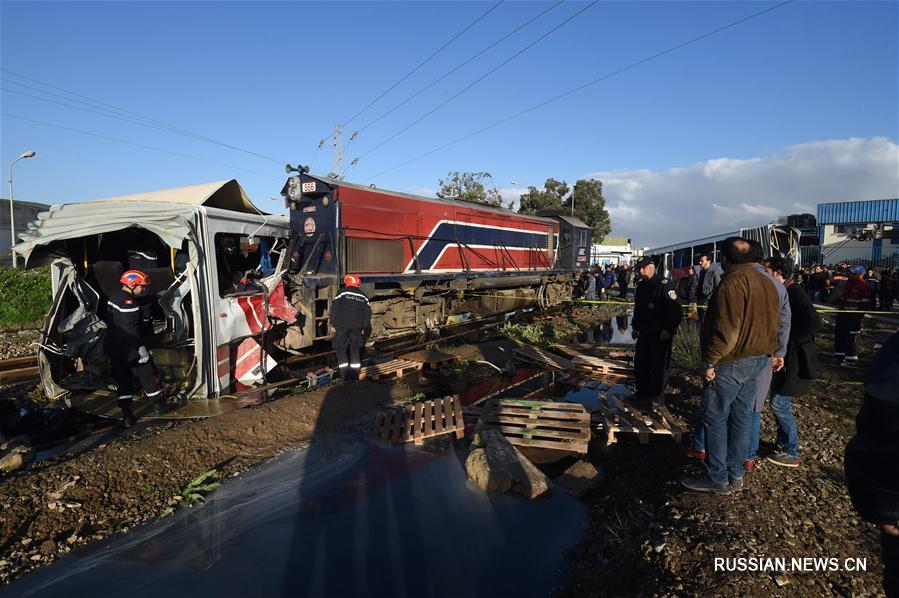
x=309, y=187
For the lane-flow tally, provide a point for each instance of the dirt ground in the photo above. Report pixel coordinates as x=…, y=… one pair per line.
x=649, y=536
x=135, y=477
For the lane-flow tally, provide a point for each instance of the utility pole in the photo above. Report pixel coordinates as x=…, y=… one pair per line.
x=338, y=150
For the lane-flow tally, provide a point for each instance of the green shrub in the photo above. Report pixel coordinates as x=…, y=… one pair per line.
x=685, y=352
x=25, y=295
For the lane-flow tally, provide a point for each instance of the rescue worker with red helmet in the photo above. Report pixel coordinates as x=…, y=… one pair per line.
x=124, y=344
x=350, y=322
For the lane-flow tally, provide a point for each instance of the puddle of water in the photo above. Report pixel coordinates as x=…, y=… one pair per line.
x=338, y=518
x=591, y=395
x=614, y=331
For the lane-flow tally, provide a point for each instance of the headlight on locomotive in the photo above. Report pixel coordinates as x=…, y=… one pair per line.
x=294, y=188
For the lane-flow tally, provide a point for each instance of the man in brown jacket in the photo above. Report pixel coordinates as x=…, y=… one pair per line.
x=739, y=333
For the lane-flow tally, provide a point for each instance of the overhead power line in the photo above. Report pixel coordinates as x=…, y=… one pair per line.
x=584, y=86
x=410, y=73
x=453, y=70
x=423, y=62
x=479, y=79
x=141, y=145
x=110, y=111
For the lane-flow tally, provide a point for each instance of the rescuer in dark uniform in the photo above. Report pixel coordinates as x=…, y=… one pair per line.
x=351, y=324
x=124, y=344
x=656, y=317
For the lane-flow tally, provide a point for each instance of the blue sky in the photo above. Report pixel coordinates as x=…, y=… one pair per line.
x=273, y=78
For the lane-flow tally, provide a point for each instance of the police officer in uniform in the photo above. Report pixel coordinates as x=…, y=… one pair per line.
x=657, y=315
x=351, y=323
x=124, y=344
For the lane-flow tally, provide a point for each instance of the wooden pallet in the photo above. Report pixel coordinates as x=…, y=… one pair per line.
x=544, y=358
x=395, y=368
x=416, y=422
x=539, y=424
x=430, y=359
x=617, y=416
x=581, y=361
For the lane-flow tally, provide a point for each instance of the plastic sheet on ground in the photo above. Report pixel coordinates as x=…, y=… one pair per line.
x=338, y=518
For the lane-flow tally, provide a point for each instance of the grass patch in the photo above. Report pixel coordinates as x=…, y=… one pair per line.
x=25, y=295
x=685, y=351
x=198, y=487
x=542, y=334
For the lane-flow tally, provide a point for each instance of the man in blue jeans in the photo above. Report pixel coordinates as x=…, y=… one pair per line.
x=738, y=335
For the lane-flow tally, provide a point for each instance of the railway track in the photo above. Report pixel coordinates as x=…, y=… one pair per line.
x=18, y=369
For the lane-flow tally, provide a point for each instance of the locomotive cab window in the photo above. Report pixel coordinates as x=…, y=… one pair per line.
x=239, y=259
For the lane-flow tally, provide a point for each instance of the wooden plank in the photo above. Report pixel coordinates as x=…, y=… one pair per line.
x=635, y=420
x=535, y=430
x=418, y=423
x=430, y=358
x=574, y=447
x=668, y=420
x=458, y=420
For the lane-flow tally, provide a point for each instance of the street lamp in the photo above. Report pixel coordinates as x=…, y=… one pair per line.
x=12, y=221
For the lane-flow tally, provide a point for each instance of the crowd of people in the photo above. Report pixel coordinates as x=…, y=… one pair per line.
x=758, y=322
x=598, y=281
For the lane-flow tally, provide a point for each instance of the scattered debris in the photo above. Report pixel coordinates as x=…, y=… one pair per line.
x=580, y=479
x=424, y=419
x=495, y=466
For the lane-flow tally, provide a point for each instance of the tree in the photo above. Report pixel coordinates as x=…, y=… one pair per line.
x=556, y=197
x=590, y=206
x=549, y=199
x=470, y=186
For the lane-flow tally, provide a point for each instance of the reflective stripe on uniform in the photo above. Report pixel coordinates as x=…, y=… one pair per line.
x=120, y=397
x=344, y=365
x=124, y=310
x=355, y=365
x=352, y=295
x=153, y=394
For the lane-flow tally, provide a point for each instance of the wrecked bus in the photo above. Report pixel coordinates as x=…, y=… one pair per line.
x=197, y=243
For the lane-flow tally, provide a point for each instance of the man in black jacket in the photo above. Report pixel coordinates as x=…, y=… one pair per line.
x=872, y=457
x=124, y=345
x=351, y=323
x=657, y=315
x=800, y=363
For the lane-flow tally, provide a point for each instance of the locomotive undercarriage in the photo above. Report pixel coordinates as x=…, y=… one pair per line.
x=406, y=306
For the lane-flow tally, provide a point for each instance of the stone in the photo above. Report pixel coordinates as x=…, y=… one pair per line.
x=15, y=453
x=580, y=479
x=781, y=580
x=496, y=467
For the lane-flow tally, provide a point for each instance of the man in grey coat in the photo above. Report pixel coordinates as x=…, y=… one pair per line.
x=763, y=382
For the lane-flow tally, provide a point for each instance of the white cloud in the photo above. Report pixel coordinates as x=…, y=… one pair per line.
x=719, y=195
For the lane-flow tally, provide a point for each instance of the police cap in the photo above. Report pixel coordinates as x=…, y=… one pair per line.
x=643, y=262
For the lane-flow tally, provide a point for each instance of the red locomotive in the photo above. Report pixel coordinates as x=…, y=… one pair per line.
x=421, y=260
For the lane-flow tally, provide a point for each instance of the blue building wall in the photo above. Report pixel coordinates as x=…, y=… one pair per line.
x=859, y=212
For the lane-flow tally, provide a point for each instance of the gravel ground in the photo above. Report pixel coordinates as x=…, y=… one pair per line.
x=18, y=344
x=649, y=536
